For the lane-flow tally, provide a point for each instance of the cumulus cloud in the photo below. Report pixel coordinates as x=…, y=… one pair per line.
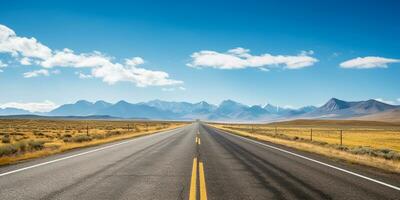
x=21, y=46
x=25, y=61
x=141, y=77
x=40, y=72
x=135, y=61
x=67, y=58
x=368, y=62
x=36, y=73
x=29, y=50
x=239, y=58
x=45, y=106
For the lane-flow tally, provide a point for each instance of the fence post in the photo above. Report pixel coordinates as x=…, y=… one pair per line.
x=87, y=129
x=276, y=130
x=341, y=137
x=311, y=135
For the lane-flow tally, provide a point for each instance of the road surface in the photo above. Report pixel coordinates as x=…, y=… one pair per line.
x=192, y=162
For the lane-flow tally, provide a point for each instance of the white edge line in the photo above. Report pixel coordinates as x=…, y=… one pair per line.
x=319, y=162
x=79, y=154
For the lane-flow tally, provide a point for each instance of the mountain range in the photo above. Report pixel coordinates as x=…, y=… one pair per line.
x=227, y=110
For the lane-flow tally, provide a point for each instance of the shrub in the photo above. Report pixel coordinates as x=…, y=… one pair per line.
x=361, y=150
x=98, y=136
x=36, y=144
x=392, y=155
x=81, y=138
x=112, y=133
x=6, y=139
x=22, y=146
x=7, y=150
x=342, y=148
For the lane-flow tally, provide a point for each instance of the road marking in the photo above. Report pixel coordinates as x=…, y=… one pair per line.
x=193, y=183
x=203, y=189
x=319, y=162
x=198, y=141
x=79, y=154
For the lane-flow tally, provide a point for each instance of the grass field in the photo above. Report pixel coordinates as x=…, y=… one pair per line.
x=370, y=143
x=23, y=138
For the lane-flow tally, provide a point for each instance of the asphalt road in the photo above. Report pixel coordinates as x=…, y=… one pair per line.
x=193, y=162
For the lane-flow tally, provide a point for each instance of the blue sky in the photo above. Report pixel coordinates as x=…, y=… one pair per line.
x=286, y=53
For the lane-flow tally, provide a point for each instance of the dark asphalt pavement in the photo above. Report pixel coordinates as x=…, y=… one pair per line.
x=160, y=166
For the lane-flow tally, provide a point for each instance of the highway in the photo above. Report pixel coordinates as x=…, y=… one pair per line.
x=193, y=162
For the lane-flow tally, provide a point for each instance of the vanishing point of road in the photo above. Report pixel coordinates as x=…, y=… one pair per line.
x=193, y=162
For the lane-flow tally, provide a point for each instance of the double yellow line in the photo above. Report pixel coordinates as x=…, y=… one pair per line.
x=202, y=179
x=198, y=140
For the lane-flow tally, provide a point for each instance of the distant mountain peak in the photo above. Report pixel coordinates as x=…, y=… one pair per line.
x=101, y=102
x=230, y=102
x=335, y=104
x=227, y=110
x=83, y=102
x=122, y=102
x=203, y=103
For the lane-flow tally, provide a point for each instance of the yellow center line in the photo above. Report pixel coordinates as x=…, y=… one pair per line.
x=193, y=183
x=203, y=189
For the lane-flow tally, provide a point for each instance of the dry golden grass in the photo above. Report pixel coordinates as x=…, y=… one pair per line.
x=24, y=139
x=372, y=145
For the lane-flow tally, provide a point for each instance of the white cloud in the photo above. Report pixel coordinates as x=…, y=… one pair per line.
x=141, y=77
x=45, y=106
x=2, y=64
x=84, y=76
x=21, y=46
x=264, y=69
x=67, y=58
x=135, y=61
x=368, y=62
x=398, y=99
x=240, y=58
x=25, y=61
x=36, y=73
x=29, y=50
x=385, y=101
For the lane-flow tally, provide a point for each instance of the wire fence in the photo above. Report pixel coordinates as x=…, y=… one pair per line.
x=381, y=138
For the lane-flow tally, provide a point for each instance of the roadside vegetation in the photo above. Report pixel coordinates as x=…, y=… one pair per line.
x=375, y=144
x=23, y=138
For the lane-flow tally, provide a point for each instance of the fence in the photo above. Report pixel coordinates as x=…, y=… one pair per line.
x=375, y=137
